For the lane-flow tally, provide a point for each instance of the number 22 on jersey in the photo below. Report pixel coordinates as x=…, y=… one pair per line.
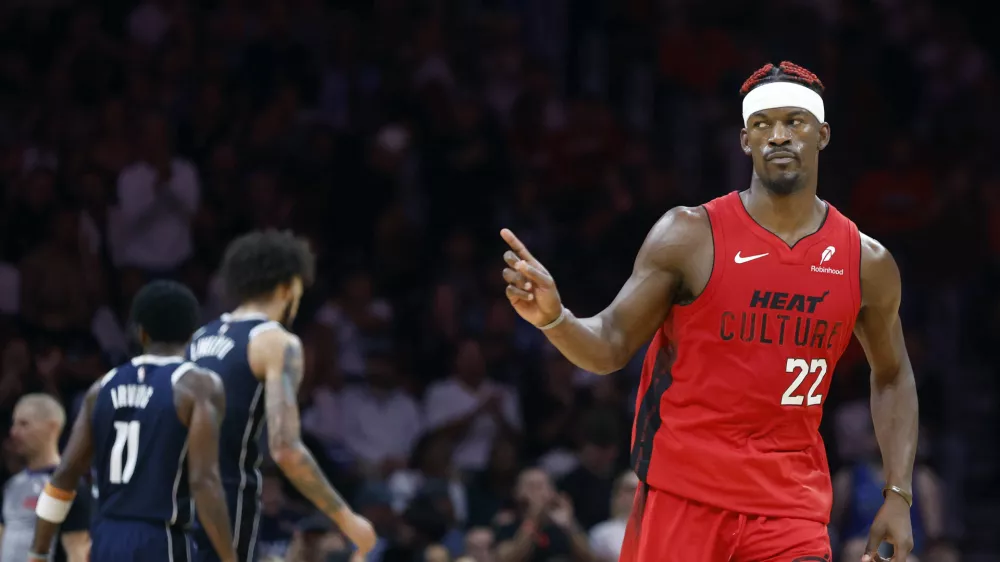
x=803, y=368
x=125, y=452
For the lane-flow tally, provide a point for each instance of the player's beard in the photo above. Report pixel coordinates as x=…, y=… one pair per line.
x=287, y=318
x=783, y=184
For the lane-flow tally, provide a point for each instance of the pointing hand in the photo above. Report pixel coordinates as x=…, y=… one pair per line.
x=530, y=288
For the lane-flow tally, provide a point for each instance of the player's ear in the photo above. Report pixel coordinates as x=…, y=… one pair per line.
x=142, y=336
x=283, y=291
x=824, y=135
x=745, y=141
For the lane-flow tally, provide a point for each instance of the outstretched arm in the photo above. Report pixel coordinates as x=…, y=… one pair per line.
x=57, y=498
x=202, y=407
x=893, y=391
x=604, y=343
x=278, y=355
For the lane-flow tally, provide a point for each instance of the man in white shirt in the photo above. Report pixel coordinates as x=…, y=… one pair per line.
x=471, y=408
x=606, y=538
x=158, y=197
x=381, y=421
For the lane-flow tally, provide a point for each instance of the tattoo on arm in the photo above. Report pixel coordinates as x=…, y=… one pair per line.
x=298, y=464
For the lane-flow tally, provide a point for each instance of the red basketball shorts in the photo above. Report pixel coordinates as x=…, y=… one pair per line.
x=667, y=528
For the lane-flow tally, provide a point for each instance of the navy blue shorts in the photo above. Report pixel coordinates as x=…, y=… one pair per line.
x=118, y=540
x=245, y=516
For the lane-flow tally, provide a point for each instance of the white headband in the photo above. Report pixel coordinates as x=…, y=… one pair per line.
x=782, y=94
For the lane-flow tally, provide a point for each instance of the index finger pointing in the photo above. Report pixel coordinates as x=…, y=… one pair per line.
x=516, y=244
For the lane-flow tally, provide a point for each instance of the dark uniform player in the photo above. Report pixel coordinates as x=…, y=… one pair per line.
x=261, y=366
x=749, y=300
x=151, y=428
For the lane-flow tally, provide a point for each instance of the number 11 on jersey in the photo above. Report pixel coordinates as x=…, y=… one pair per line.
x=124, y=453
x=804, y=368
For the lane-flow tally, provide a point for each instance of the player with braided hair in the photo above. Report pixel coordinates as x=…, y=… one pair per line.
x=750, y=300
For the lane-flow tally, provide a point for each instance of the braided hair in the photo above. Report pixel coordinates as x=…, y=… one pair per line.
x=784, y=72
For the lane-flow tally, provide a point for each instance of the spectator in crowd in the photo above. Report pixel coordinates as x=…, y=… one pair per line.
x=545, y=527
x=606, y=537
x=479, y=544
x=431, y=461
x=857, y=496
x=491, y=493
x=471, y=409
x=590, y=485
x=380, y=422
x=158, y=196
x=61, y=282
x=277, y=520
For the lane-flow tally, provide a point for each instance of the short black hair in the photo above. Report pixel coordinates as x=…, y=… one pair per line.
x=167, y=311
x=256, y=263
x=784, y=72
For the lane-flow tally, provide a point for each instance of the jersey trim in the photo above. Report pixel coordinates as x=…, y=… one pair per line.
x=264, y=327
x=108, y=376
x=768, y=233
x=247, y=433
x=170, y=542
x=856, y=282
x=711, y=272
x=180, y=371
x=229, y=317
x=719, y=251
x=177, y=482
x=158, y=360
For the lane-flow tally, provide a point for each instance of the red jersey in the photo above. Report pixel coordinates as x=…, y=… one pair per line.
x=733, y=383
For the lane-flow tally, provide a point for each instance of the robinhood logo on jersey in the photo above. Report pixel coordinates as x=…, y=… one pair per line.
x=826, y=256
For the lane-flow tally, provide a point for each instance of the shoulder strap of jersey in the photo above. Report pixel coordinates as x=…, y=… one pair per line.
x=108, y=376
x=848, y=231
x=264, y=327
x=722, y=222
x=181, y=370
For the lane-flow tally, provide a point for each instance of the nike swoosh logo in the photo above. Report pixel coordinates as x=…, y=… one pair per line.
x=741, y=259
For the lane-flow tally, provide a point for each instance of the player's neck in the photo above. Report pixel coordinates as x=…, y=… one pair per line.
x=164, y=350
x=783, y=214
x=271, y=310
x=44, y=460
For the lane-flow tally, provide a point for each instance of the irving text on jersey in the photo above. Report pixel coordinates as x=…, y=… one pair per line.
x=131, y=396
x=211, y=346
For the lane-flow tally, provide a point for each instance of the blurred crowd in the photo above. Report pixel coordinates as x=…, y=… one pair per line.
x=138, y=137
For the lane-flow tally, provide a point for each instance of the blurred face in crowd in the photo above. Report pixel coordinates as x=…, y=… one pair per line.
x=624, y=494
x=479, y=544
x=534, y=487
x=436, y=553
x=469, y=363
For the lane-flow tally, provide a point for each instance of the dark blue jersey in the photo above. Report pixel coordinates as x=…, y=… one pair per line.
x=221, y=346
x=140, y=445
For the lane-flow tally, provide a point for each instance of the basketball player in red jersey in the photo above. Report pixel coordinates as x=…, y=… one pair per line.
x=750, y=300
